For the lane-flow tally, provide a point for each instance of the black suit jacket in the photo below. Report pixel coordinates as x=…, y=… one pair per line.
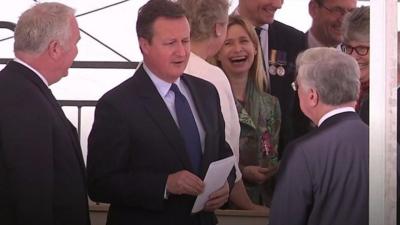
x=135, y=144
x=42, y=173
x=324, y=176
x=291, y=41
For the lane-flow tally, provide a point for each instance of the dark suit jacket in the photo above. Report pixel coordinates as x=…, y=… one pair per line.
x=42, y=173
x=323, y=177
x=291, y=41
x=135, y=144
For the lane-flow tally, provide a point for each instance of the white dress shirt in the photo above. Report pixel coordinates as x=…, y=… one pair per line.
x=334, y=112
x=35, y=71
x=200, y=68
x=168, y=96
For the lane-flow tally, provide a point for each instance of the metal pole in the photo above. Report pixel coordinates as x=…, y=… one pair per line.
x=383, y=61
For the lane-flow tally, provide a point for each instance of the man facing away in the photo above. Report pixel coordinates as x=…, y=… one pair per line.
x=327, y=18
x=42, y=173
x=143, y=157
x=323, y=176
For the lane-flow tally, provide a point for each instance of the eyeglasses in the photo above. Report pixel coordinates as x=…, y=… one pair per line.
x=337, y=11
x=361, y=50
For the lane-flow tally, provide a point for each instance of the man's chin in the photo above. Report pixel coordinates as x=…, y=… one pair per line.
x=268, y=20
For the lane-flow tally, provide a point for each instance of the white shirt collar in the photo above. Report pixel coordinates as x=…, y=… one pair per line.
x=35, y=71
x=334, y=112
x=265, y=27
x=162, y=86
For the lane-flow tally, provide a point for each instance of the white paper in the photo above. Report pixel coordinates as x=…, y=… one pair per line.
x=216, y=176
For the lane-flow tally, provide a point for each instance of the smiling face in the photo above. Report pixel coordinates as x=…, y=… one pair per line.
x=167, y=53
x=362, y=60
x=259, y=12
x=237, y=53
x=328, y=18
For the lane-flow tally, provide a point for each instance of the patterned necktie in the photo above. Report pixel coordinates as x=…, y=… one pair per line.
x=188, y=128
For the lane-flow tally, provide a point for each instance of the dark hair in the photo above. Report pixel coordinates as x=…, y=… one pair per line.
x=151, y=11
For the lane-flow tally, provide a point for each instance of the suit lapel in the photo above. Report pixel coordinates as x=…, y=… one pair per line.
x=159, y=113
x=198, y=96
x=70, y=128
x=31, y=76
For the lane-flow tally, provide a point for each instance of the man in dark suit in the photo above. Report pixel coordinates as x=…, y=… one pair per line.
x=281, y=44
x=140, y=158
x=324, y=175
x=42, y=173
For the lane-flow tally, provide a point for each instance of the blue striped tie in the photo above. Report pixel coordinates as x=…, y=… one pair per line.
x=188, y=128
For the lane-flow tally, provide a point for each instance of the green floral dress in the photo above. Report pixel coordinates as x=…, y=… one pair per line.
x=260, y=120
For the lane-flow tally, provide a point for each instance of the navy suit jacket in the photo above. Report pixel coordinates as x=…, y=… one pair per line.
x=42, y=173
x=323, y=178
x=291, y=41
x=135, y=144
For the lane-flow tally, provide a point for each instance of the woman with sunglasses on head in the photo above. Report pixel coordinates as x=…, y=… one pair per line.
x=356, y=44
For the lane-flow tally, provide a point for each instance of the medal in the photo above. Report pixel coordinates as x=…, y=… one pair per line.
x=272, y=69
x=272, y=62
x=281, y=61
x=280, y=71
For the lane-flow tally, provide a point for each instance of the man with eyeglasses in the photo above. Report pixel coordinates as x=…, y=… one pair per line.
x=327, y=17
x=356, y=44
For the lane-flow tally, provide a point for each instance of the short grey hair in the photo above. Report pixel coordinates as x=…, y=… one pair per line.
x=334, y=74
x=356, y=25
x=41, y=24
x=203, y=15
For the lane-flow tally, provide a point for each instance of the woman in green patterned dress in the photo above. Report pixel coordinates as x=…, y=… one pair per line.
x=259, y=112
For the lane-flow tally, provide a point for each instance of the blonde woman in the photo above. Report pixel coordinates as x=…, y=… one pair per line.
x=259, y=112
x=208, y=22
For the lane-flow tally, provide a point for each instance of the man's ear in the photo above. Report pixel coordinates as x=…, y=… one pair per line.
x=144, y=45
x=313, y=8
x=219, y=29
x=313, y=97
x=54, y=49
